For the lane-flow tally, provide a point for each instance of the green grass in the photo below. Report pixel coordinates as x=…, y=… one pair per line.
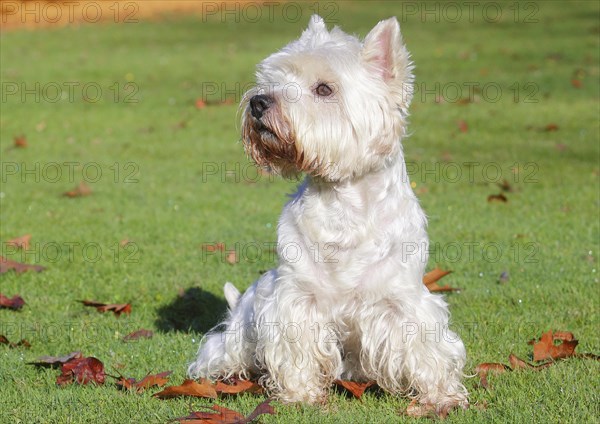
x=548, y=231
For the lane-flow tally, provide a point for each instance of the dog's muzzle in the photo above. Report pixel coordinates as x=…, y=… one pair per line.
x=259, y=104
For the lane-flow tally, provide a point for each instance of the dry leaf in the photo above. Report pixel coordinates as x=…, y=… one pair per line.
x=204, y=389
x=497, y=198
x=20, y=141
x=505, y=186
x=238, y=386
x=576, y=83
x=12, y=345
x=81, y=190
x=517, y=363
x=462, y=126
x=551, y=127
x=81, y=371
x=231, y=257
x=357, y=389
x=15, y=303
x=158, y=380
x=139, y=334
x=20, y=242
x=545, y=348
x=213, y=247
x=116, y=308
x=489, y=367
x=52, y=361
x=8, y=264
x=222, y=415
x=431, y=278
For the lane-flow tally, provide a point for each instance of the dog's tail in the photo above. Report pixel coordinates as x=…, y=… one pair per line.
x=232, y=295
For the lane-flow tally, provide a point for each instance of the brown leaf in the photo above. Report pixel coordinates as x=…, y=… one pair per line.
x=576, y=83
x=231, y=257
x=81, y=190
x=139, y=334
x=12, y=345
x=545, y=348
x=222, y=415
x=203, y=389
x=8, y=264
x=213, y=247
x=462, y=126
x=20, y=141
x=116, y=308
x=15, y=303
x=20, y=242
x=145, y=383
x=431, y=278
x=517, y=363
x=81, y=371
x=489, y=367
x=497, y=198
x=238, y=386
x=262, y=408
x=505, y=186
x=357, y=389
x=52, y=361
x=551, y=127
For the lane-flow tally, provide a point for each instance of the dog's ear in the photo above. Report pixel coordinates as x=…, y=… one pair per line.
x=316, y=25
x=385, y=53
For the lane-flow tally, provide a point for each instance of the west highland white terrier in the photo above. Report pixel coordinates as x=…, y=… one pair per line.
x=347, y=299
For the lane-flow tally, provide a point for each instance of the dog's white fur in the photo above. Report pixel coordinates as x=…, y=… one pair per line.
x=347, y=298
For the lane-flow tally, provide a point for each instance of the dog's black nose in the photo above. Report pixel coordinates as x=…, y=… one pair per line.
x=258, y=105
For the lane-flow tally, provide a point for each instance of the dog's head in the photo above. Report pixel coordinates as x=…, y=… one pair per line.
x=328, y=104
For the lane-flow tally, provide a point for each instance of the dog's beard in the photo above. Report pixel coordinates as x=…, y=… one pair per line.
x=270, y=142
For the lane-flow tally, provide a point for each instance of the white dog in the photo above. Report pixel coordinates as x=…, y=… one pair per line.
x=347, y=298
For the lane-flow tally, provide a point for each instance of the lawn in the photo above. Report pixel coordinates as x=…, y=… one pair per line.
x=511, y=97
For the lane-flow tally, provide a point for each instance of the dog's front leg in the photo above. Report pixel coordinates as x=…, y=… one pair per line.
x=300, y=361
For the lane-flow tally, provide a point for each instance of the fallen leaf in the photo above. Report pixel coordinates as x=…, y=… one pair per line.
x=551, y=128
x=517, y=363
x=158, y=380
x=52, y=361
x=222, y=415
x=505, y=186
x=139, y=334
x=213, y=247
x=81, y=371
x=81, y=190
x=546, y=349
x=231, y=257
x=8, y=264
x=20, y=242
x=15, y=303
x=20, y=141
x=12, y=345
x=204, y=389
x=116, y=308
x=576, y=83
x=431, y=278
x=497, y=198
x=200, y=104
x=462, y=126
x=489, y=367
x=238, y=386
x=357, y=389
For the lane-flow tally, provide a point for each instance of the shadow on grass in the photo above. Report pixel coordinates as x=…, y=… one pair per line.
x=193, y=310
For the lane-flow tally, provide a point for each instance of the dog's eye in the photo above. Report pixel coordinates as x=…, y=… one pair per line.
x=323, y=90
